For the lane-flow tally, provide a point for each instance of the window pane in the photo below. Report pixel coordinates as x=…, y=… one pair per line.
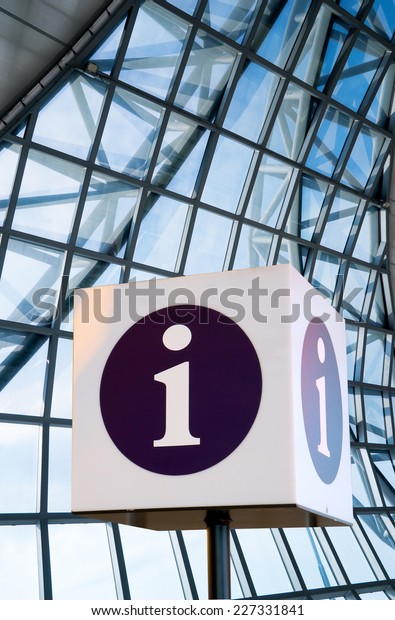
x=269, y=191
x=330, y=139
x=310, y=558
x=19, y=454
x=154, y=49
x=29, y=272
x=150, y=563
x=78, y=104
x=253, y=247
x=129, y=134
x=62, y=388
x=48, y=197
x=209, y=243
x=351, y=554
x=80, y=562
x=59, y=477
x=340, y=220
x=231, y=17
x=9, y=157
x=18, y=562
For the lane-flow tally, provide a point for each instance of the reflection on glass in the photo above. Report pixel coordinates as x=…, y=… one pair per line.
x=23, y=363
x=269, y=191
x=209, y=243
x=265, y=564
x=292, y=122
x=365, y=155
x=80, y=562
x=227, y=174
x=19, y=454
x=351, y=554
x=161, y=229
x=330, y=139
x=231, y=17
x=368, y=240
x=48, y=197
x=9, y=157
x=340, y=220
x=374, y=415
x=19, y=562
x=358, y=72
x=321, y=50
x=310, y=558
x=104, y=56
x=251, y=101
x=279, y=27
x=253, y=247
x=306, y=208
x=29, y=273
x=355, y=290
x=154, y=49
x=78, y=104
x=150, y=563
x=326, y=271
x=382, y=18
x=107, y=215
x=180, y=156
x=130, y=134
x=205, y=75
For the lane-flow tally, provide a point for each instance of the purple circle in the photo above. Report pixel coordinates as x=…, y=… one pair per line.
x=224, y=391
x=322, y=401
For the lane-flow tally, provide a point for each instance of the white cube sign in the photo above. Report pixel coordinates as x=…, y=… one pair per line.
x=223, y=390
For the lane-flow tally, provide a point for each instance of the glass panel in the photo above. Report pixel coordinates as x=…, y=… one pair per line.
x=330, y=139
x=29, y=271
x=269, y=191
x=321, y=49
x=363, y=158
x=279, y=27
x=379, y=313
x=352, y=339
x=149, y=559
x=205, y=76
x=59, y=477
x=307, y=205
x=264, y=561
x=62, y=388
x=9, y=157
x=354, y=291
x=227, y=174
x=292, y=253
x=310, y=558
x=351, y=554
x=104, y=57
x=19, y=454
x=129, y=134
x=352, y=416
x=18, y=562
x=85, y=272
x=196, y=544
x=340, y=219
x=368, y=240
x=231, y=17
x=160, y=232
x=365, y=493
x=78, y=104
x=185, y=5
x=385, y=473
x=48, y=197
x=374, y=357
x=154, y=50
x=253, y=247
x=107, y=215
x=23, y=364
x=381, y=534
x=358, y=72
x=352, y=6
x=292, y=122
x=80, y=562
x=380, y=108
x=374, y=415
x=251, y=101
x=181, y=154
x=382, y=18
x=326, y=271
x=209, y=243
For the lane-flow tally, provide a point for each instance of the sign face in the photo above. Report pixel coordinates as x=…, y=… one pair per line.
x=220, y=390
x=193, y=400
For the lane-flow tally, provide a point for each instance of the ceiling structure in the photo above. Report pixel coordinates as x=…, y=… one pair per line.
x=41, y=36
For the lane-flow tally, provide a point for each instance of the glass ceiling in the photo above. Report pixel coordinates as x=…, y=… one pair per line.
x=199, y=136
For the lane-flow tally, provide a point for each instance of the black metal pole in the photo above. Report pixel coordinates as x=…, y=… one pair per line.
x=218, y=553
